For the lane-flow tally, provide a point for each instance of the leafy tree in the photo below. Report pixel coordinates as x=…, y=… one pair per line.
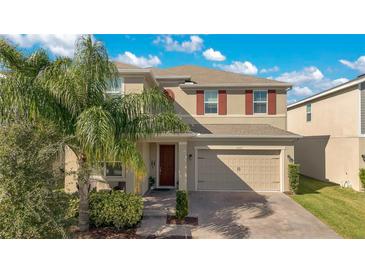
x=70, y=93
x=30, y=205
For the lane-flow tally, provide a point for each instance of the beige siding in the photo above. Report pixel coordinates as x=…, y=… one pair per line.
x=185, y=105
x=133, y=84
x=335, y=115
x=331, y=149
x=330, y=159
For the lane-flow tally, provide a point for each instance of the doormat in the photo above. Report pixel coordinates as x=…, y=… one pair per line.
x=173, y=220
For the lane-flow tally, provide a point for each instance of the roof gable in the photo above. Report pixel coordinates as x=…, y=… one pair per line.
x=203, y=75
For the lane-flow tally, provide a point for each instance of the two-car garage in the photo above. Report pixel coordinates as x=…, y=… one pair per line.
x=238, y=169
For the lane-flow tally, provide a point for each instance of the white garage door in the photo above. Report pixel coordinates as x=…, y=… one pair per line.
x=245, y=170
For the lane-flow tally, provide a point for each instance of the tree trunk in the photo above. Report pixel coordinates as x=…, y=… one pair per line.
x=84, y=221
x=84, y=188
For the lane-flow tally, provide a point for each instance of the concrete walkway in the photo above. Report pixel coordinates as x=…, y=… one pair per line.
x=232, y=215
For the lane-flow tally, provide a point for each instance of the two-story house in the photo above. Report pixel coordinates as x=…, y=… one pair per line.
x=238, y=139
x=333, y=127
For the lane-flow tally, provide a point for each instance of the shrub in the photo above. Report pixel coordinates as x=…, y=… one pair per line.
x=30, y=204
x=115, y=208
x=182, y=204
x=73, y=206
x=362, y=176
x=294, y=177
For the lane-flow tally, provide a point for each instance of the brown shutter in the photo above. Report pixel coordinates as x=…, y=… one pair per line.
x=271, y=102
x=200, y=102
x=249, y=102
x=222, y=102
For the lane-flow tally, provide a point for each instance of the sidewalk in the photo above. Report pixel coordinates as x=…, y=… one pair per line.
x=157, y=205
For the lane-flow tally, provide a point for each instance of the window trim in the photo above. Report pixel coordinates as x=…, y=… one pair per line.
x=123, y=176
x=253, y=101
x=216, y=91
x=310, y=112
x=114, y=92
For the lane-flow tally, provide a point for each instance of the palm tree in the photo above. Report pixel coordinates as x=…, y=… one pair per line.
x=70, y=93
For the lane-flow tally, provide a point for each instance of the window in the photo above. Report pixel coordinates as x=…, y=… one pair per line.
x=211, y=102
x=116, y=87
x=309, y=112
x=113, y=169
x=260, y=101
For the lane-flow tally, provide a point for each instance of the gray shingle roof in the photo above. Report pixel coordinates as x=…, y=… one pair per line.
x=241, y=130
x=121, y=65
x=203, y=75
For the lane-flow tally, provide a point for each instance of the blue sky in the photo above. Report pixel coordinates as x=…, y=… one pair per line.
x=311, y=62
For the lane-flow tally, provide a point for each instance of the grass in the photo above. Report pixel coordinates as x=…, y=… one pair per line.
x=342, y=209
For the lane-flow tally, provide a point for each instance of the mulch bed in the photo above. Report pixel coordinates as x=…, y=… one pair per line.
x=107, y=233
x=172, y=220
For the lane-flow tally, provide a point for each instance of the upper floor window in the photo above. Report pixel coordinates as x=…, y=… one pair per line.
x=116, y=87
x=309, y=112
x=260, y=101
x=211, y=102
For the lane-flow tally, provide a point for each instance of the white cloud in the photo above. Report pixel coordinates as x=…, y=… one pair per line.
x=213, y=55
x=194, y=44
x=269, y=70
x=58, y=44
x=144, y=62
x=308, y=81
x=245, y=67
x=306, y=75
x=302, y=91
x=358, y=65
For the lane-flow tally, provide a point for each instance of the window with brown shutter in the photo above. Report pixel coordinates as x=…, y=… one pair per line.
x=272, y=102
x=249, y=102
x=222, y=102
x=200, y=102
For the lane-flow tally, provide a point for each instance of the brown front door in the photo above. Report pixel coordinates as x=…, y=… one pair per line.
x=167, y=165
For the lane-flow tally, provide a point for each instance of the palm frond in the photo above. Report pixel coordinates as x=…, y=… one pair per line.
x=10, y=57
x=126, y=151
x=95, y=131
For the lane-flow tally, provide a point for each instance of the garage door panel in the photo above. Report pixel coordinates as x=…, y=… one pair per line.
x=239, y=170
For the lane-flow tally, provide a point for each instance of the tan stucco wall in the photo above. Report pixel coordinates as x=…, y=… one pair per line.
x=133, y=84
x=335, y=115
x=330, y=159
x=185, y=105
x=331, y=149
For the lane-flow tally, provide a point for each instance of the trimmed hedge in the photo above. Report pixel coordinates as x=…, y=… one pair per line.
x=362, y=176
x=182, y=204
x=294, y=177
x=115, y=208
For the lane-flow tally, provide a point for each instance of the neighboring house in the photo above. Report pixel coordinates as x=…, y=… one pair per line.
x=238, y=139
x=333, y=125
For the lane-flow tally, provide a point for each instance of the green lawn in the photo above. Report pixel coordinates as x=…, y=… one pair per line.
x=342, y=209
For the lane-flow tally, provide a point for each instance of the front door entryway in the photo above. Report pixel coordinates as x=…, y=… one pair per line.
x=167, y=166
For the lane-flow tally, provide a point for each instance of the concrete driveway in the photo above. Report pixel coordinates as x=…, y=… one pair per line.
x=232, y=215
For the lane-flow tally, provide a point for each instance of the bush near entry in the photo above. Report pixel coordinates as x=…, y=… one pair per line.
x=182, y=204
x=294, y=177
